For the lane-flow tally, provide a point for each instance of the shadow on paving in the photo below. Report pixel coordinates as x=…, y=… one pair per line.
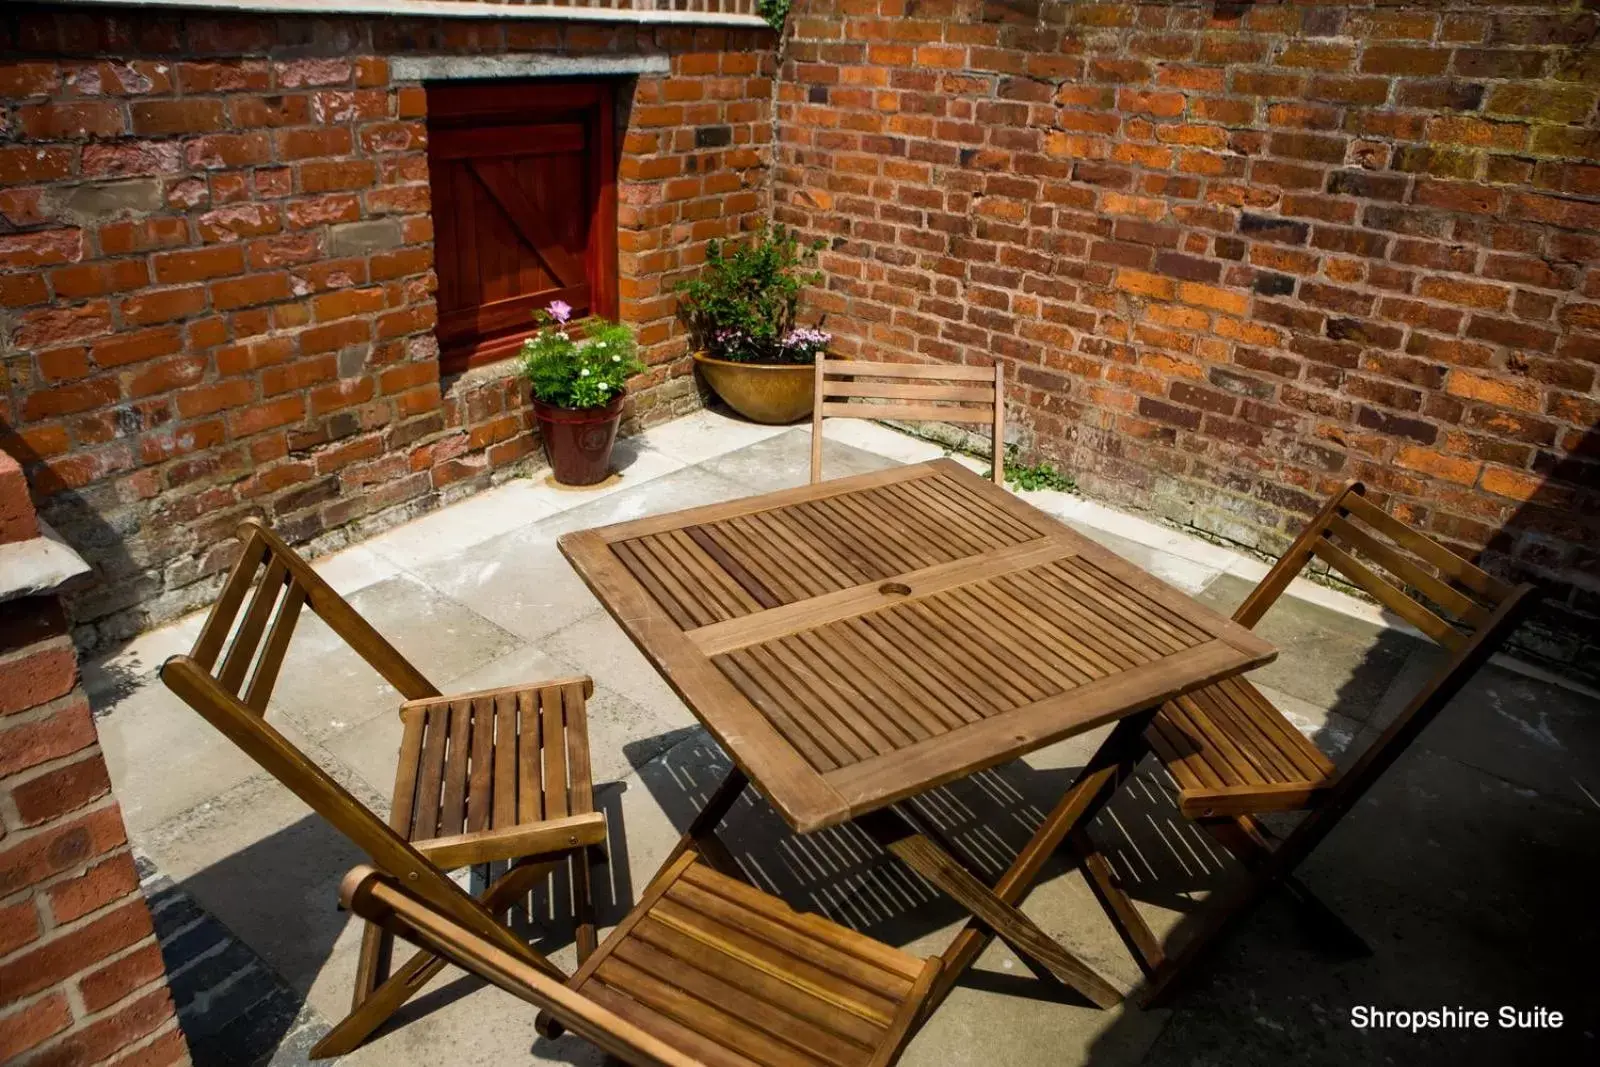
x=244, y=939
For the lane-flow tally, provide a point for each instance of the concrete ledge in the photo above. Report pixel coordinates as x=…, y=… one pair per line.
x=453, y=68
x=39, y=565
x=454, y=9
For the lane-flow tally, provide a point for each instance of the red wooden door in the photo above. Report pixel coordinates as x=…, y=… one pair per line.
x=523, y=179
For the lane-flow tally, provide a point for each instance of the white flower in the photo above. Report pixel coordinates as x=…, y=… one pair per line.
x=585, y=372
x=604, y=387
x=616, y=359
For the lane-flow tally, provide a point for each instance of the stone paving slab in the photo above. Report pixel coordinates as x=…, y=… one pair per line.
x=1471, y=856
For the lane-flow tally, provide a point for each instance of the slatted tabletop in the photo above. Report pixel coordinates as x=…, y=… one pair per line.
x=859, y=641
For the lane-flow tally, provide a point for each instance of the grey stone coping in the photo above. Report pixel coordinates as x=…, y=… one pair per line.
x=447, y=68
x=38, y=565
x=455, y=9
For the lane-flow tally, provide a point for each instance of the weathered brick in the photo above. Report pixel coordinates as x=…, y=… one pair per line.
x=32, y=1024
x=56, y=848
x=61, y=790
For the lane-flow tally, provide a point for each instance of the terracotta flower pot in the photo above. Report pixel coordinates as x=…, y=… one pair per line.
x=762, y=392
x=577, y=442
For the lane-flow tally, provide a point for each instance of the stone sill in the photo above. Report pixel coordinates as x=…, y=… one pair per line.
x=455, y=9
x=39, y=565
x=473, y=377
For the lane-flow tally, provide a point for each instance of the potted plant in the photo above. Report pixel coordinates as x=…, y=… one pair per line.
x=578, y=386
x=741, y=317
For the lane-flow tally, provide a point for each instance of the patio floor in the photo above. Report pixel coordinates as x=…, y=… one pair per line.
x=1469, y=870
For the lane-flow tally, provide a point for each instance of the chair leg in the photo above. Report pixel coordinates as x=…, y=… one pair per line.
x=584, y=934
x=1276, y=867
x=1250, y=842
x=372, y=967
x=378, y=1004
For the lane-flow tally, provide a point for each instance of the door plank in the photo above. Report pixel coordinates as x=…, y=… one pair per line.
x=501, y=183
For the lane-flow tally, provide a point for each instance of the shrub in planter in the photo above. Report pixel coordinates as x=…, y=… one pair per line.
x=578, y=387
x=741, y=314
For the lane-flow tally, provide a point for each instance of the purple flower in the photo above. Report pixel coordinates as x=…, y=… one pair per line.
x=560, y=310
x=807, y=340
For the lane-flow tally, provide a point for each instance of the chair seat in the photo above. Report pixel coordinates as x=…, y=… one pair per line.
x=732, y=976
x=1233, y=753
x=491, y=760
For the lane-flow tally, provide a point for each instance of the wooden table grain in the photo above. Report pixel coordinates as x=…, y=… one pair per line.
x=857, y=642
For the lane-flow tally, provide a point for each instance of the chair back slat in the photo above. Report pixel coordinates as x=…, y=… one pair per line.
x=970, y=394
x=1409, y=573
x=272, y=653
x=242, y=651
x=1388, y=595
x=1446, y=597
x=907, y=412
x=1432, y=552
x=950, y=372
x=219, y=620
x=913, y=392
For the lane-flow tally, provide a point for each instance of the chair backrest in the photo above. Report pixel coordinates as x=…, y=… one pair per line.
x=233, y=698
x=1453, y=601
x=1446, y=597
x=380, y=899
x=909, y=392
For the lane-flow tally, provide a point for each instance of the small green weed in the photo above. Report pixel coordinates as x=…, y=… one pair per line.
x=774, y=11
x=1030, y=476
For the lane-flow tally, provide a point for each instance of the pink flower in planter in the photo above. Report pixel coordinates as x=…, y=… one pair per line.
x=560, y=310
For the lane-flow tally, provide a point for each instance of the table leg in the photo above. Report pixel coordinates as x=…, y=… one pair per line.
x=702, y=832
x=1114, y=761
x=897, y=836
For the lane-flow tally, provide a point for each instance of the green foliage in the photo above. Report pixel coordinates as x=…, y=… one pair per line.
x=774, y=11
x=569, y=373
x=1030, y=476
x=742, y=306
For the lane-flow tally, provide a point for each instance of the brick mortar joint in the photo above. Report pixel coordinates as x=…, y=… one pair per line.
x=41, y=712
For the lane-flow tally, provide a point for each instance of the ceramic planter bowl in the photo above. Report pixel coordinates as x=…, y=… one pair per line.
x=772, y=393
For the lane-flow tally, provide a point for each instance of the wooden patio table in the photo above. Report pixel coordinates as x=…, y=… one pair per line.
x=858, y=642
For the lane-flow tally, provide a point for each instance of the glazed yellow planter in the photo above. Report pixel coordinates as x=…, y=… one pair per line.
x=773, y=393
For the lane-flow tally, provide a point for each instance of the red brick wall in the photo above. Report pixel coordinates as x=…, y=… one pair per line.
x=216, y=273
x=81, y=979
x=1234, y=254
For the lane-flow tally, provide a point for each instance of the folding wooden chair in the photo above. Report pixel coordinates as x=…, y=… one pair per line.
x=1234, y=756
x=845, y=389
x=501, y=774
x=704, y=970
